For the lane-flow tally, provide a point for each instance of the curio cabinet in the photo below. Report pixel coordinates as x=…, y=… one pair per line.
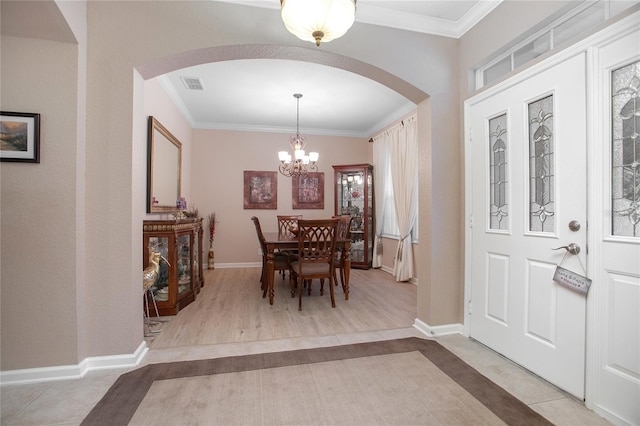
x=179, y=280
x=354, y=197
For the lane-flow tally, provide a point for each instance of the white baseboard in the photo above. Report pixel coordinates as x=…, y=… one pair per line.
x=259, y=265
x=609, y=416
x=389, y=271
x=68, y=372
x=238, y=265
x=437, y=330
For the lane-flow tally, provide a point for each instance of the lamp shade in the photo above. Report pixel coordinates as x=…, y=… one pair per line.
x=318, y=20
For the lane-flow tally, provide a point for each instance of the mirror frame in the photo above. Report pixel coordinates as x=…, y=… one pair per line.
x=156, y=129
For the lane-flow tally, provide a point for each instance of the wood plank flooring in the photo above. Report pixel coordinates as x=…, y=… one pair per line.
x=230, y=308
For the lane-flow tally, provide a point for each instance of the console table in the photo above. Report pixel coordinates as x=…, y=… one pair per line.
x=180, y=242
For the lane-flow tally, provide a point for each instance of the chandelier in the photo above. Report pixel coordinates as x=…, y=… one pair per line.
x=318, y=20
x=299, y=163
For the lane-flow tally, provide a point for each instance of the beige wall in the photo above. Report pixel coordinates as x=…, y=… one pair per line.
x=38, y=220
x=159, y=105
x=221, y=157
x=512, y=18
x=79, y=295
x=125, y=36
x=213, y=174
x=483, y=41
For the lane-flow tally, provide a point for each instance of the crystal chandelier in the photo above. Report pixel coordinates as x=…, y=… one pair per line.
x=299, y=163
x=318, y=20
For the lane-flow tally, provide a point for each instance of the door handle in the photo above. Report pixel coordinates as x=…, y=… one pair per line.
x=572, y=248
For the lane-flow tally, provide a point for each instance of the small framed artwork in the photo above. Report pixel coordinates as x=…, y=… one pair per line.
x=308, y=191
x=260, y=190
x=19, y=137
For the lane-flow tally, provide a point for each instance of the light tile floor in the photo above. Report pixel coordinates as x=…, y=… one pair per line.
x=68, y=402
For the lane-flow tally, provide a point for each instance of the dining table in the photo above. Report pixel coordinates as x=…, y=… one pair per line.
x=276, y=242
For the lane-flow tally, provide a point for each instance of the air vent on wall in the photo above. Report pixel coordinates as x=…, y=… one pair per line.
x=192, y=83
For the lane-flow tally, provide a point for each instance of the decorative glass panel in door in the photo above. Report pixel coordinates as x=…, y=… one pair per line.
x=625, y=181
x=498, y=176
x=541, y=166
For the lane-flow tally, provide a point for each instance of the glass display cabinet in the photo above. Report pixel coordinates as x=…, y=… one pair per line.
x=354, y=196
x=179, y=281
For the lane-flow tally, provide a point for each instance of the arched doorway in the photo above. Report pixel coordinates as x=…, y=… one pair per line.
x=231, y=53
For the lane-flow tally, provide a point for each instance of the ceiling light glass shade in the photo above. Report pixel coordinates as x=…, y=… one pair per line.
x=284, y=157
x=318, y=20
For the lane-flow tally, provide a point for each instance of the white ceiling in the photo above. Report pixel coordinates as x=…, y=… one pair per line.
x=258, y=94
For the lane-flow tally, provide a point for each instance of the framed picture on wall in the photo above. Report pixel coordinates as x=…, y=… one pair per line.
x=19, y=137
x=260, y=190
x=308, y=191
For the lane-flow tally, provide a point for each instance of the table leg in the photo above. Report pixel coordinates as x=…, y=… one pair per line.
x=346, y=252
x=270, y=273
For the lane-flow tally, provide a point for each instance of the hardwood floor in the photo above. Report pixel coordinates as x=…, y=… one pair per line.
x=230, y=318
x=230, y=308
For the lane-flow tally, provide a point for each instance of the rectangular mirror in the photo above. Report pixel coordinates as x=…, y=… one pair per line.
x=164, y=168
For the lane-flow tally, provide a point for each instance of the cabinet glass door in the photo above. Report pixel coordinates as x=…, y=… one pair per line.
x=354, y=197
x=161, y=287
x=368, y=217
x=184, y=264
x=351, y=200
x=196, y=263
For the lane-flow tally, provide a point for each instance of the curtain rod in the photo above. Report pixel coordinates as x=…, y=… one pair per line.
x=395, y=127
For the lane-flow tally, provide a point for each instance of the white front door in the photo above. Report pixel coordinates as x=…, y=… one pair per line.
x=616, y=233
x=527, y=163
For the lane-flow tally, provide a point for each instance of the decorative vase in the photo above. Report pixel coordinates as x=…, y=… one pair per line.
x=210, y=259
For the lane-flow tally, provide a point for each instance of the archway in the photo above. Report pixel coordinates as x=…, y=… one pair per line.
x=267, y=51
x=195, y=57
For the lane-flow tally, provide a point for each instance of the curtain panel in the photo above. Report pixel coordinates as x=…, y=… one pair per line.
x=396, y=159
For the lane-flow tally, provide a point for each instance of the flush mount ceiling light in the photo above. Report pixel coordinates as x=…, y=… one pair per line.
x=297, y=164
x=318, y=20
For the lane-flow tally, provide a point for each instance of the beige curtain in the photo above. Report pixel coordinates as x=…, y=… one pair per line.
x=396, y=158
x=380, y=169
x=404, y=173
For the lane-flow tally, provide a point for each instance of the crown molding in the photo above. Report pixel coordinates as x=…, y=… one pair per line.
x=368, y=13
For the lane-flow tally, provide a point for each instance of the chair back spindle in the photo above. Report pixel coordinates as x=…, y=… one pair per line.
x=286, y=222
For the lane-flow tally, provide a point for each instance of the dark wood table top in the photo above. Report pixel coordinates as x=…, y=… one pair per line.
x=277, y=239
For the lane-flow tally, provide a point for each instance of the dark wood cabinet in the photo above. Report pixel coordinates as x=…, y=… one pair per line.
x=354, y=196
x=179, y=281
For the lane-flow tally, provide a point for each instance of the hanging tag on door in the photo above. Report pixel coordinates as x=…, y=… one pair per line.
x=571, y=280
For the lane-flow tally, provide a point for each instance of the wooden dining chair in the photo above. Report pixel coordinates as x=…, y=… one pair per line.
x=316, y=253
x=285, y=223
x=343, y=233
x=280, y=260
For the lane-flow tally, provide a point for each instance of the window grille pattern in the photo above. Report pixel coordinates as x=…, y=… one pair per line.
x=498, y=181
x=625, y=181
x=541, y=166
